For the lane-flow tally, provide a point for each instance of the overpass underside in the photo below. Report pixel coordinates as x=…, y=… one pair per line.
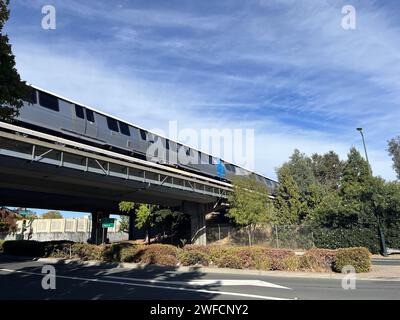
x=41, y=171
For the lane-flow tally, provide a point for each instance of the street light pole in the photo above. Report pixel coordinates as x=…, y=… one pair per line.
x=365, y=148
x=381, y=234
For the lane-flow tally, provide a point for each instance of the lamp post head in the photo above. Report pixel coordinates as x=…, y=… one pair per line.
x=359, y=129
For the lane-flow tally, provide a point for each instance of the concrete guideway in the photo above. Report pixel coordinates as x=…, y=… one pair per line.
x=92, y=163
x=40, y=170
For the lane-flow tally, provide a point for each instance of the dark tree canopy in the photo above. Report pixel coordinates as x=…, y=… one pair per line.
x=327, y=169
x=12, y=89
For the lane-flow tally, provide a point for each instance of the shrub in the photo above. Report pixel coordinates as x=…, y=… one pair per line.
x=277, y=257
x=229, y=260
x=162, y=254
x=291, y=263
x=117, y=251
x=58, y=249
x=1, y=245
x=359, y=258
x=317, y=260
x=193, y=257
x=250, y=256
x=128, y=253
x=87, y=251
x=24, y=248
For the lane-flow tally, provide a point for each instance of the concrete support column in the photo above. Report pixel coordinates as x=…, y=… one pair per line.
x=132, y=234
x=98, y=234
x=197, y=212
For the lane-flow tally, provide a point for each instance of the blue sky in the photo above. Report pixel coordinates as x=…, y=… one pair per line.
x=284, y=68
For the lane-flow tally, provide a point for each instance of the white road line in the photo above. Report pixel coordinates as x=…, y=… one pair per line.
x=153, y=286
x=208, y=282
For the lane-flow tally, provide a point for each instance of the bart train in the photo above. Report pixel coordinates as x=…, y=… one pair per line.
x=50, y=113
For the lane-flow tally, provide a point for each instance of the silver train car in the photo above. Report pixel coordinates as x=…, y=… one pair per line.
x=49, y=113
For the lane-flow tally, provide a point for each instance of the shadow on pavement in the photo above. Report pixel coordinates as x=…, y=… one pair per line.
x=79, y=281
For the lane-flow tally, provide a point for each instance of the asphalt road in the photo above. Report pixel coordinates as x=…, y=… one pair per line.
x=22, y=279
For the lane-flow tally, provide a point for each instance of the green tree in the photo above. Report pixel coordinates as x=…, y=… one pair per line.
x=356, y=175
x=124, y=224
x=301, y=168
x=394, y=151
x=288, y=199
x=52, y=215
x=250, y=205
x=391, y=219
x=126, y=206
x=327, y=169
x=12, y=89
x=144, y=219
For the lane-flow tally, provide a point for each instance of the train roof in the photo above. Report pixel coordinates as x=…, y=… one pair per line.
x=136, y=126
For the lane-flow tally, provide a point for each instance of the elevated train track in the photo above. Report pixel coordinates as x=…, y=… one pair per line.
x=60, y=154
x=41, y=163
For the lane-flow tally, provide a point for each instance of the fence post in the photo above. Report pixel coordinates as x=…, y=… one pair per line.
x=312, y=239
x=219, y=232
x=277, y=236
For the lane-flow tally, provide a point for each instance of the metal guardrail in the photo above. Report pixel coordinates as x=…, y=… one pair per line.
x=39, y=147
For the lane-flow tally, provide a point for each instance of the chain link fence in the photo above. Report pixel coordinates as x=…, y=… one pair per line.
x=273, y=236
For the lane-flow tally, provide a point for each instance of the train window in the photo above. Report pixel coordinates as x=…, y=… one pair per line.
x=143, y=134
x=89, y=115
x=167, y=144
x=112, y=124
x=79, y=112
x=48, y=101
x=124, y=129
x=188, y=152
x=210, y=159
x=33, y=97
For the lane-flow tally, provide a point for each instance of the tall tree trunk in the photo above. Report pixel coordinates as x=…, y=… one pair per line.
x=249, y=233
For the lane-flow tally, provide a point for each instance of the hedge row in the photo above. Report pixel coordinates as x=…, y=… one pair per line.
x=347, y=238
x=259, y=258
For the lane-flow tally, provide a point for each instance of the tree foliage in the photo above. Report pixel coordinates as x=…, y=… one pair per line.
x=327, y=169
x=301, y=169
x=250, y=204
x=339, y=200
x=8, y=221
x=150, y=218
x=52, y=215
x=12, y=89
x=394, y=151
x=124, y=224
x=288, y=200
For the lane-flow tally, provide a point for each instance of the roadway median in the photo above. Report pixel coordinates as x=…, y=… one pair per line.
x=251, y=260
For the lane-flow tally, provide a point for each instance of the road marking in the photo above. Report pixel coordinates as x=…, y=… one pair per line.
x=154, y=286
x=208, y=282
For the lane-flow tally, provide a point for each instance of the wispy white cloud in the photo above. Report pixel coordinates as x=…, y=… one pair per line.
x=285, y=68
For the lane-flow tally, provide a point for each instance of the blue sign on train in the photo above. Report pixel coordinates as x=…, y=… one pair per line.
x=221, y=171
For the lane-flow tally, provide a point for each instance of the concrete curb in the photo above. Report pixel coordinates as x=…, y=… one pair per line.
x=201, y=269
